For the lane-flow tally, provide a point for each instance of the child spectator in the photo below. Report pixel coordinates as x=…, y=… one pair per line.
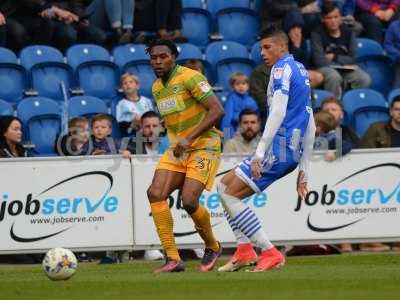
x=237, y=101
x=326, y=138
x=100, y=141
x=72, y=143
x=392, y=47
x=133, y=106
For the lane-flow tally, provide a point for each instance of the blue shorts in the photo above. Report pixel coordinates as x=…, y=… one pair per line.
x=275, y=166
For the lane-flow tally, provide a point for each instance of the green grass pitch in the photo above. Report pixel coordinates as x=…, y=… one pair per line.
x=335, y=277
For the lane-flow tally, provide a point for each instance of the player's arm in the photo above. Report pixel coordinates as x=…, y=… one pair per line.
x=277, y=113
x=214, y=110
x=308, y=146
x=276, y=116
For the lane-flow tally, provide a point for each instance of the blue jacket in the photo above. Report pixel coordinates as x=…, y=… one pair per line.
x=233, y=106
x=346, y=7
x=392, y=41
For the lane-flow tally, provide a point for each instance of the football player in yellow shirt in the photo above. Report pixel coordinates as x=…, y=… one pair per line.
x=191, y=110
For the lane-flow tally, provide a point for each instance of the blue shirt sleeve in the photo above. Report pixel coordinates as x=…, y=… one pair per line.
x=281, y=78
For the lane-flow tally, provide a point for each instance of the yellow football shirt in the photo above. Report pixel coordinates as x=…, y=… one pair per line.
x=178, y=101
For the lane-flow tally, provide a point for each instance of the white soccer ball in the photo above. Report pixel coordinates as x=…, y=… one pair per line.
x=59, y=264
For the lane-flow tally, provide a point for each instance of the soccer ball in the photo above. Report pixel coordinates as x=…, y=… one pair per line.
x=59, y=264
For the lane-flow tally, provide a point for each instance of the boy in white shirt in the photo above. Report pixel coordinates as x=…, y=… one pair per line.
x=132, y=106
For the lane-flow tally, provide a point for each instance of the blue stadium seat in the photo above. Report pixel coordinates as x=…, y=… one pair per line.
x=218, y=51
x=380, y=69
x=6, y=108
x=363, y=118
x=188, y=51
x=222, y=96
x=130, y=52
x=214, y=6
x=41, y=118
x=197, y=26
x=94, y=71
x=194, y=3
x=362, y=100
x=239, y=25
x=319, y=96
x=255, y=53
x=225, y=68
x=367, y=47
x=12, y=77
x=82, y=53
x=394, y=93
x=86, y=106
x=227, y=57
x=47, y=71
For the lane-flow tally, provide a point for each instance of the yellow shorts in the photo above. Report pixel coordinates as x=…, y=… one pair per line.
x=200, y=165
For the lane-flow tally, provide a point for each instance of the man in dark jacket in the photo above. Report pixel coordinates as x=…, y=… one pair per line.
x=385, y=135
x=334, y=53
x=27, y=22
x=67, y=32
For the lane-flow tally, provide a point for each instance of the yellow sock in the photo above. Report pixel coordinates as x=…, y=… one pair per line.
x=201, y=219
x=163, y=220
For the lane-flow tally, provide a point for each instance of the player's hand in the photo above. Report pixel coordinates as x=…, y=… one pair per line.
x=256, y=168
x=181, y=147
x=301, y=185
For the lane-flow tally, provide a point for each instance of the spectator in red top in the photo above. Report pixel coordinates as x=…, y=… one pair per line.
x=376, y=15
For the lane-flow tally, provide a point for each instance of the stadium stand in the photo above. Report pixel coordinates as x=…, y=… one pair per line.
x=94, y=72
x=214, y=7
x=197, y=25
x=194, y=3
x=319, y=96
x=367, y=47
x=239, y=25
x=41, y=118
x=6, y=108
x=13, y=77
x=361, y=101
x=86, y=106
x=47, y=71
x=394, y=93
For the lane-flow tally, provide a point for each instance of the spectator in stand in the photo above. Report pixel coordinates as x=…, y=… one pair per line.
x=70, y=31
x=11, y=138
x=385, y=134
x=259, y=79
x=326, y=138
x=376, y=15
x=274, y=12
x=334, y=53
x=3, y=30
x=116, y=15
x=72, y=143
x=162, y=17
x=236, y=102
x=27, y=22
x=392, y=47
x=293, y=25
x=311, y=12
x=347, y=9
x=335, y=108
x=132, y=106
x=100, y=142
x=247, y=135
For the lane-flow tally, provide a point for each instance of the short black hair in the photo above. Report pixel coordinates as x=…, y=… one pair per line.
x=150, y=114
x=247, y=112
x=275, y=32
x=328, y=7
x=395, y=99
x=160, y=42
